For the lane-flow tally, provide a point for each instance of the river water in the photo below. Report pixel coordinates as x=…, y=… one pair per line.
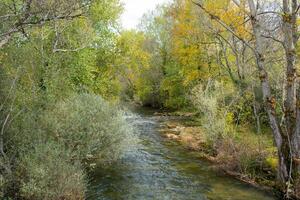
x=160, y=169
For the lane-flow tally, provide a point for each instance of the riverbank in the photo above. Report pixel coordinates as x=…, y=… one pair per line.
x=249, y=158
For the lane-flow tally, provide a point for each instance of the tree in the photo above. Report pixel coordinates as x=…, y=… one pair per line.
x=286, y=134
x=132, y=61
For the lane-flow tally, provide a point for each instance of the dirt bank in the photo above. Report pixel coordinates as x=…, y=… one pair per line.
x=194, y=139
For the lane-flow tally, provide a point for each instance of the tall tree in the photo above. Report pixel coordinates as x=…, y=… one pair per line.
x=286, y=134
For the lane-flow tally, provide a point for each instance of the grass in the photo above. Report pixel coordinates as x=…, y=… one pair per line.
x=242, y=153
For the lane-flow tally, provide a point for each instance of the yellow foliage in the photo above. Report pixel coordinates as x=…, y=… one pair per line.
x=133, y=59
x=230, y=117
x=187, y=35
x=232, y=15
x=272, y=162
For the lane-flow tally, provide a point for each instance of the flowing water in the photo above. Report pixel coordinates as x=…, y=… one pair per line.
x=163, y=170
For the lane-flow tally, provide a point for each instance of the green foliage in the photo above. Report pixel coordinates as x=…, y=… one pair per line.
x=52, y=135
x=236, y=147
x=173, y=93
x=105, y=11
x=46, y=172
x=210, y=101
x=132, y=61
x=272, y=162
x=53, y=72
x=91, y=128
x=176, y=60
x=55, y=146
x=248, y=154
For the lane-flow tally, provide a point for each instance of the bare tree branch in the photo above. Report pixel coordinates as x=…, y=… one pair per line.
x=224, y=25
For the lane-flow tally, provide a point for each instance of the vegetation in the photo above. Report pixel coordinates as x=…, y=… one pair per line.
x=66, y=65
x=56, y=59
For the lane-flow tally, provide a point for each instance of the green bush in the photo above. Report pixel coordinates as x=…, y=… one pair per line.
x=235, y=146
x=210, y=101
x=54, y=147
x=91, y=128
x=247, y=154
x=47, y=173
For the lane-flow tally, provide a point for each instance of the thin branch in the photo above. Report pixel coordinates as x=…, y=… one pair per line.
x=69, y=50
x=224, y=25
x=274, y=39
x=269, y=12
x=297, y=10
x=55, y=49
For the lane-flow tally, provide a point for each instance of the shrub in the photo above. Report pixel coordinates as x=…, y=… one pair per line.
x=210, y=100
x=90, y=128
x=236, y=149
x=247, y=154
x=52, y=148
x=46, y=173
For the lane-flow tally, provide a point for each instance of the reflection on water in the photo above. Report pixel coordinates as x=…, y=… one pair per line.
x=162, y=170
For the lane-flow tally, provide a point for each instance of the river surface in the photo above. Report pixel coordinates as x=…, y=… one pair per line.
x=160, y=169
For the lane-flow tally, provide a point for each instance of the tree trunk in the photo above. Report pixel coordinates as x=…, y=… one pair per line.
x=296, y=135
x=255, y=112
x=290, y=52
x=291, y=103
x=267, y=96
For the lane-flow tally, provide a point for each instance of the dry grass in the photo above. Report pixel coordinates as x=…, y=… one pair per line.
x=246, y=154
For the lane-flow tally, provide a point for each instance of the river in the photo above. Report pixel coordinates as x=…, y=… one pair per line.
x=160, y=169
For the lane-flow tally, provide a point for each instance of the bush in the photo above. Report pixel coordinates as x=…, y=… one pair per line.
x=247, y=154
x=52, y=148
x=46, y=173
x=236, y=149
x=210, y=100
x=90, y=128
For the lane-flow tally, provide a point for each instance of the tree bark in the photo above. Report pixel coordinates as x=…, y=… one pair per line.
x=267, y=96
x=296, y=136
x=289, y=21
x=290, y=31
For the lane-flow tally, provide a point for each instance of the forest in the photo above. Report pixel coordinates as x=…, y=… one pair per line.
x=69, y=73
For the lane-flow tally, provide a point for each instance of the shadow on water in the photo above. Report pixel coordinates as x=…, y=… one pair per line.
x=163, y=170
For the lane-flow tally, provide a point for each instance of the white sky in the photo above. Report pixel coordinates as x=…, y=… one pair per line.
x=134, y=10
